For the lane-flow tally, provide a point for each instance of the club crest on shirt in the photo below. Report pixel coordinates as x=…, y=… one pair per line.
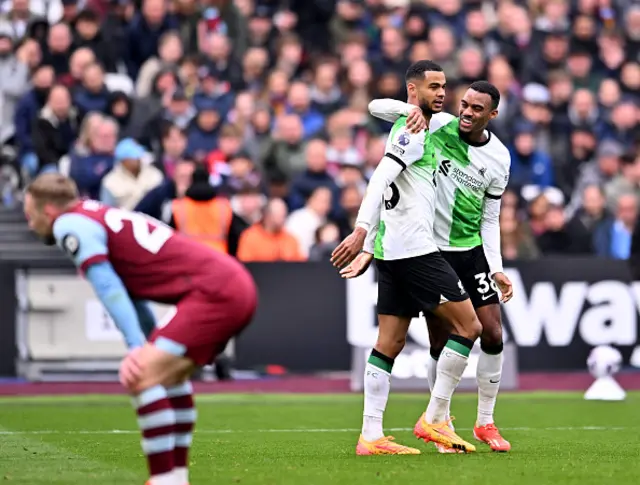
x=404, y=139
x=71, y=244
x=482, y=171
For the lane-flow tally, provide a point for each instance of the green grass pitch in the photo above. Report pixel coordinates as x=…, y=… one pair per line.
x=557, y=438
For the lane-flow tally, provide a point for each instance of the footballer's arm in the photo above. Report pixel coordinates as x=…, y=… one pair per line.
x=85, y=242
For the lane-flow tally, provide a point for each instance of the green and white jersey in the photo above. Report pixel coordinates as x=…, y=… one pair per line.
x=466, y=175
x=408, y=209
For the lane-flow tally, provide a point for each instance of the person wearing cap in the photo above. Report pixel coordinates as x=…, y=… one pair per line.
x=131, y=178
x=205, y=217
x=213, y=90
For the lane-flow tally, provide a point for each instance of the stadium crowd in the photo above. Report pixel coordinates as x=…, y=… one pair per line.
x=259, y=108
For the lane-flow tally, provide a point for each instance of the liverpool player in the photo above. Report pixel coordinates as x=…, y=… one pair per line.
x=129, y=257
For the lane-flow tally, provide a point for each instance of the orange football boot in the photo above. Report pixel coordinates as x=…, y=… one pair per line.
x=383, y=446
x=490, y=435
x=441, y=433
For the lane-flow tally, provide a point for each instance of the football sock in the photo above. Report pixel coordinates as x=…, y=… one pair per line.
x=432, y=368
x=377, y=384
x=451, y=365
x=488, y=376
x=157, y=421
x=181, y=399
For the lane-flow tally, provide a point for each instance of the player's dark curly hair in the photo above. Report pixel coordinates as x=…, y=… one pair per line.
x=487, y=88
x=417, y=69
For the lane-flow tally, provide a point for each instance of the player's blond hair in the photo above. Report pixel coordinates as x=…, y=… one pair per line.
x=53, y=188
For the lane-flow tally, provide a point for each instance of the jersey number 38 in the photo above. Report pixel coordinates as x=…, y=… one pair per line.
x=149, y=233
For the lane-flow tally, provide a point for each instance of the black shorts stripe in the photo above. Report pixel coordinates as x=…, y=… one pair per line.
x=396, y=159
x=491, y=196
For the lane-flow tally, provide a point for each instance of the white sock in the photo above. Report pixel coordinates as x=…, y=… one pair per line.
x=432, y=369
x=165, y=479
x=182, y=475
x=377, y=384
x=451, y=366
x=488, y=375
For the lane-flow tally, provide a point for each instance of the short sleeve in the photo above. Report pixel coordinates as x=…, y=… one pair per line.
x=82, y=239
x=499, y=183
x=438, y=120
x=404, y=147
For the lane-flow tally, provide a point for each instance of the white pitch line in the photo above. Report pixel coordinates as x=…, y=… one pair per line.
x=302, y=430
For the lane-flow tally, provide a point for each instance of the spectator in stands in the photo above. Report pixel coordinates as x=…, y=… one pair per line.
x=78, y=62
x=202, y=134
x=375, y=152
x=626, y=182
x=303, y=223
x=327, y=237
x=55, y=129
x=58, y=51
x=326, y=96
x=131, y=179
x=248, y=204
x=268, y=240
x=341, y=151
x=242, y=174
x=157, y=201
x=87, y=33
x=173, y=149
x=89, y=165
x=630, y=78
x=287, y=154
x=220, y=59
x=17, y=19
x=170, y=52
x=600, y=171
x=558, y=238
x=528, y=163
x=593, y=220
x=624, y=127
x=27, y=110
x=315, y=175
x=515, y=237
x=623, y=227
x=13, y=82
x=229, y=144
x=213, y=92
x=205, y=217
x=299, y=102
x=120, y=108
x=92, y=95
x=144, y=33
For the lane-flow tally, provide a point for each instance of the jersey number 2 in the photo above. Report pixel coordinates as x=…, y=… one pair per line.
x=151, y=239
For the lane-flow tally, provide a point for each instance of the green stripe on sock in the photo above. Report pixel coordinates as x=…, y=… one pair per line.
x=458, y=347
x=380, y=364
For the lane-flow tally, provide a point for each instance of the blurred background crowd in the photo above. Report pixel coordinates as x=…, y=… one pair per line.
x=244, y=122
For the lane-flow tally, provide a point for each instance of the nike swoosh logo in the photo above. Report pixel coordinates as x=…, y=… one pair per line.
x=486, y=297
x=494, y=382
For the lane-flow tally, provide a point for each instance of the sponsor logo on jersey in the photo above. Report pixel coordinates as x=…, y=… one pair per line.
x=404, y=138
x=445, y=166
x=465, y=179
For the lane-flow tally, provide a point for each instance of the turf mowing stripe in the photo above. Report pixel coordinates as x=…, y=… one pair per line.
x=277, y=398
x=302, y=430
